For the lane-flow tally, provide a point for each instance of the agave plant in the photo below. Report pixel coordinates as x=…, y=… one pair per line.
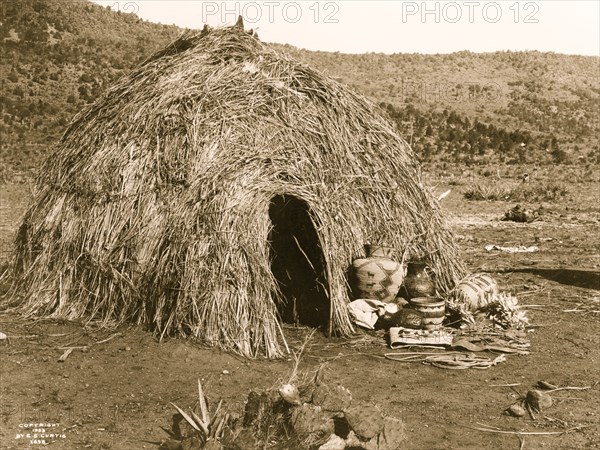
x=208, y=428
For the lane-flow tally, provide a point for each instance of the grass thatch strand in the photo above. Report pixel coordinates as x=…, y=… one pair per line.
x=154, y=207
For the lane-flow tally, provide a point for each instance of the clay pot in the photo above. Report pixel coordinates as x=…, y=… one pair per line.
x=417, y=282
x=433, y=310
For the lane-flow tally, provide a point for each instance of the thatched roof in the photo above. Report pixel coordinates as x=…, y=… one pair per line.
x=154, y=207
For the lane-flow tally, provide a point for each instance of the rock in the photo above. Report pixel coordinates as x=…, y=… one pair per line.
x=391, y=437
x=393, y=434
x=170, y=444
x=309, y=419
x=334, y=443
x=192, y=443
x=213, y=445
x=335, y=398
x=365, y=420
x=538, y=400
x=352, y=441
x=519, y=214
x=371, y=444
x=290, y=394
x=515, y=410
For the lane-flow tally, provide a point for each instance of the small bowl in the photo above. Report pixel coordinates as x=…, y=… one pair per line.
x=433, y=310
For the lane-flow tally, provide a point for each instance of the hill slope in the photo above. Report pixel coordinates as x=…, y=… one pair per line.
x=57, y=56
x=494, y=101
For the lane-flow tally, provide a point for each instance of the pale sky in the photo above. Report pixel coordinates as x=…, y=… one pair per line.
x=571, y=27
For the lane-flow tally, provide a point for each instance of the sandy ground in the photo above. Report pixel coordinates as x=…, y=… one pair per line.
x=115, y=393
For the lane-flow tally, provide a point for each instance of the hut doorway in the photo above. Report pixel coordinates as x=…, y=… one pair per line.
x=297, y=263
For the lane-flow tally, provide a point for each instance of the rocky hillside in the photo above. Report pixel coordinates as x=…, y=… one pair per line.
x=467, y=105
x=58, y=56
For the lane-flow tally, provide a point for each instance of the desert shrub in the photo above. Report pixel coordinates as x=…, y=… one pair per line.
x=6, y=173
x=542, y=192
x=560, y=156
x=487, y=191
x=455, y=181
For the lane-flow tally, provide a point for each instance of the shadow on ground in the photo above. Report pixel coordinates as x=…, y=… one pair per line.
x=586, y=279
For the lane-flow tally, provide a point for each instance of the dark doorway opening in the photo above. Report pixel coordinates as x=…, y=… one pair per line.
x=297, y=263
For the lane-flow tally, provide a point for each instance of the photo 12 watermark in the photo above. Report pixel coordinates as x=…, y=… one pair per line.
x=125, y=7
x=252, y=12
x=470, y=12
x=466, y=91
x=270, y=12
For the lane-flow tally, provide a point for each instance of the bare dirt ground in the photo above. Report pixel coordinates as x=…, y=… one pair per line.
x=115, y=393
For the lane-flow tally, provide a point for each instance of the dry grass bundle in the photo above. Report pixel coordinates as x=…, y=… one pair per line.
x=487, y=191
x=155, y=206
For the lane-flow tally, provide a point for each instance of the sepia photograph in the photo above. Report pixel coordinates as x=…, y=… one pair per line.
x=299, y=225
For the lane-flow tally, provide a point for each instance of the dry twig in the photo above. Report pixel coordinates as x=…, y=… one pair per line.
x=490, y=429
